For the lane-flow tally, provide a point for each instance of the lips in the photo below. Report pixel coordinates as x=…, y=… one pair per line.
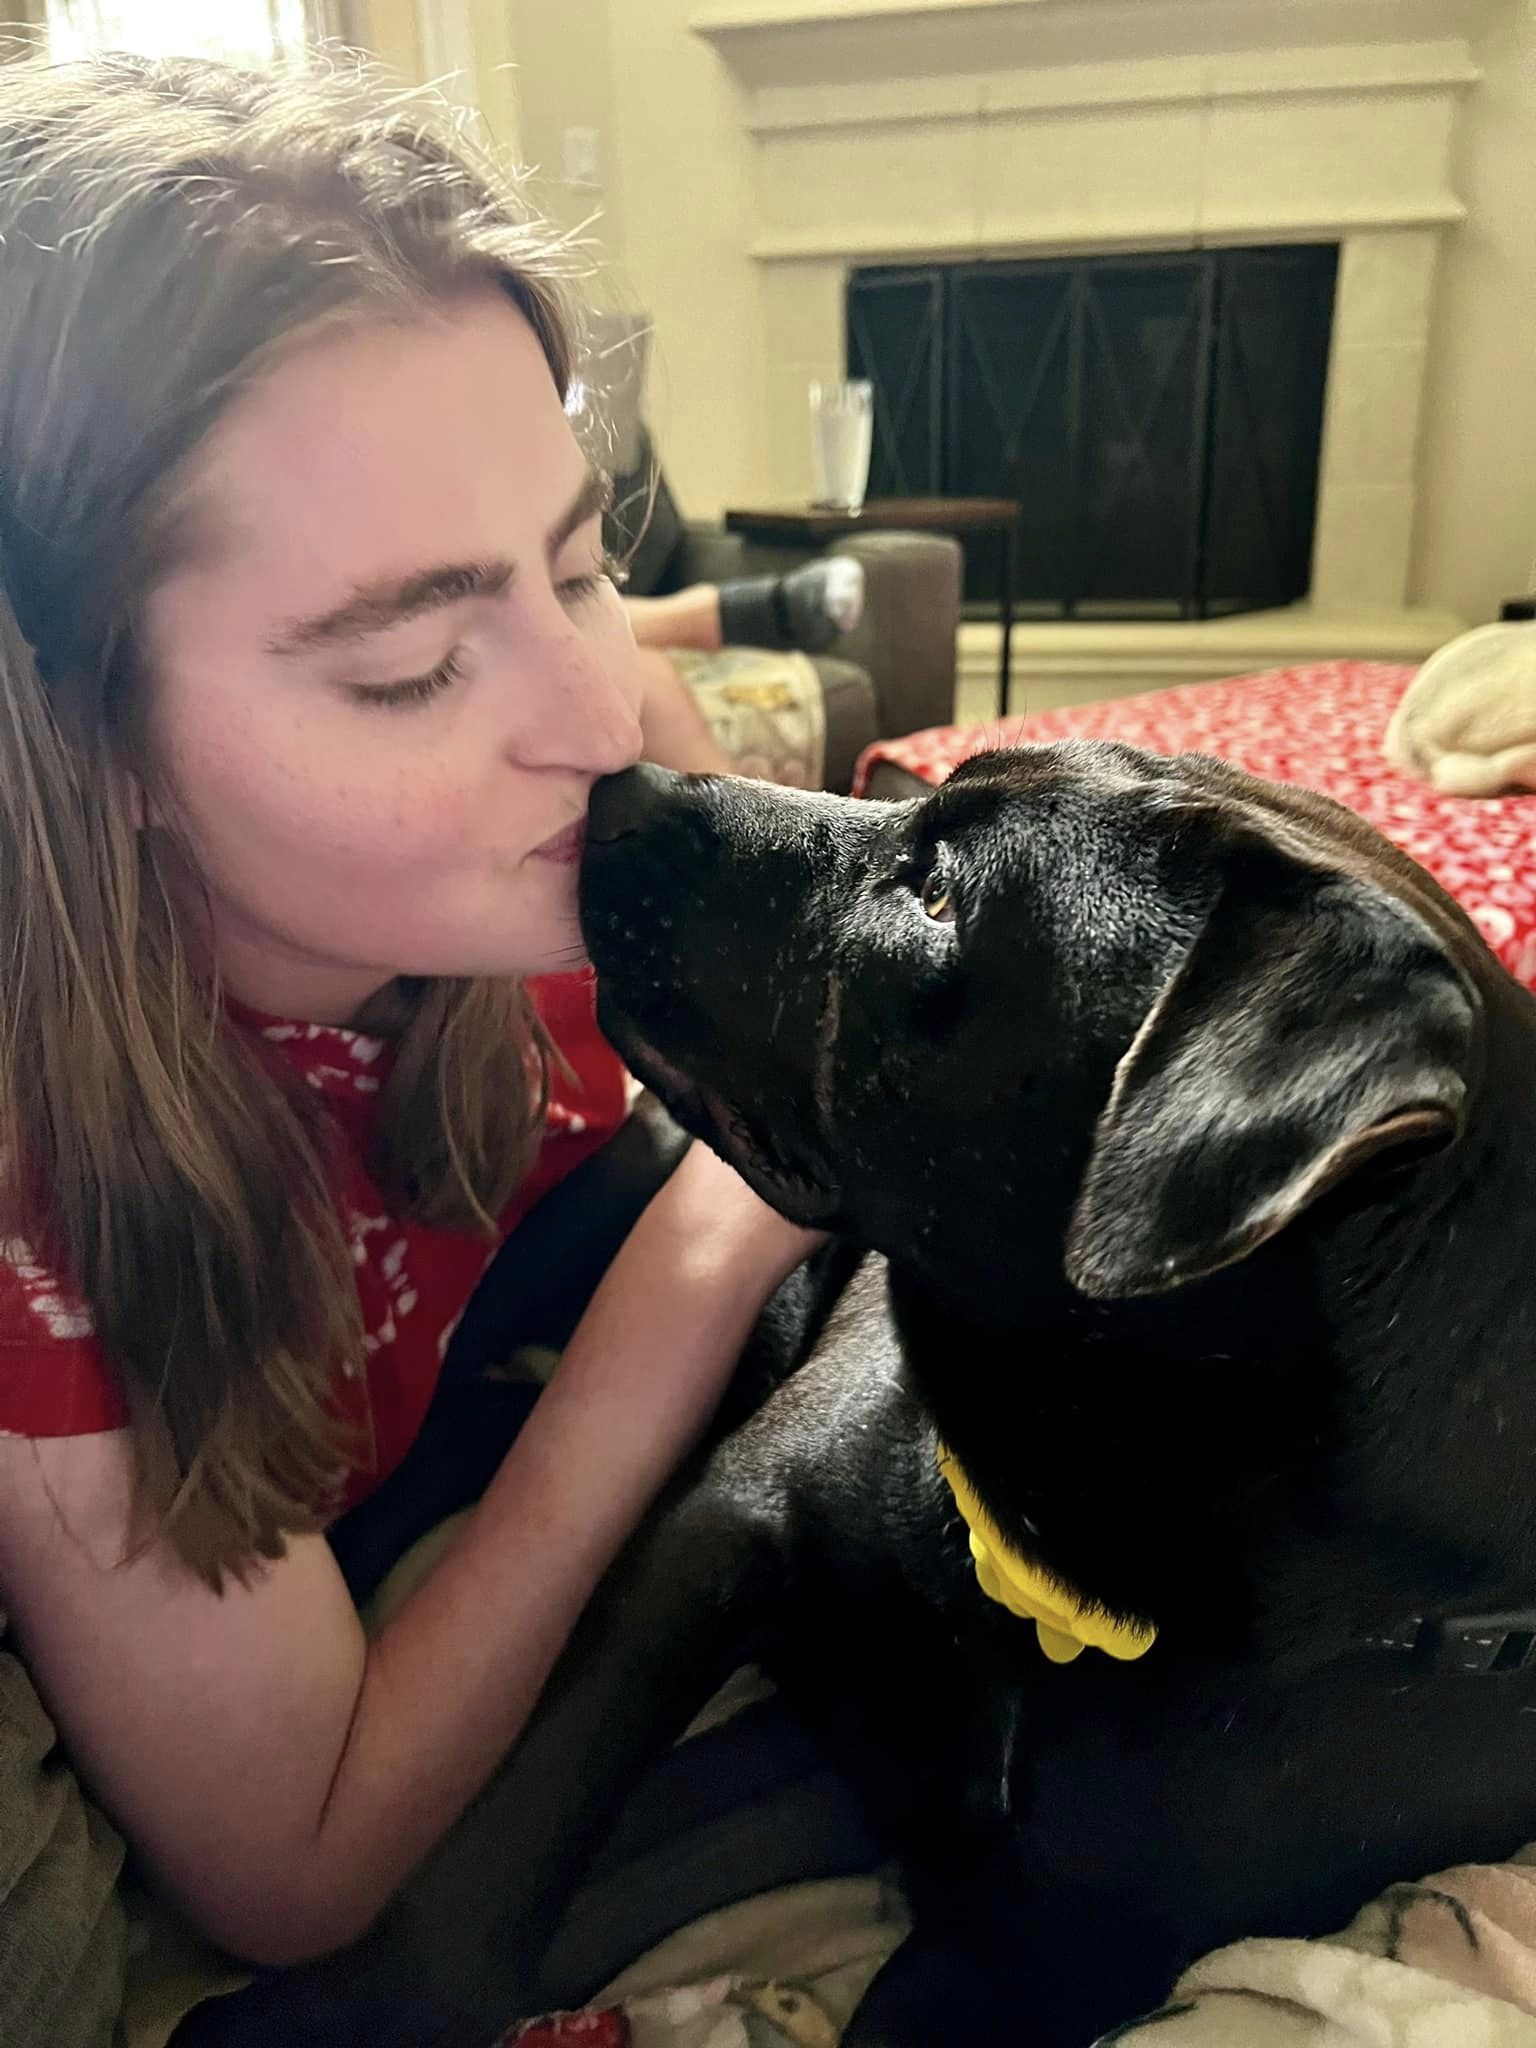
x=565, y=848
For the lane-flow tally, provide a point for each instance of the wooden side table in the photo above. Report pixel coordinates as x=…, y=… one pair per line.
x=813, y=525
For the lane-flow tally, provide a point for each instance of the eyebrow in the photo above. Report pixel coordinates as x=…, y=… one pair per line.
x=392, y=600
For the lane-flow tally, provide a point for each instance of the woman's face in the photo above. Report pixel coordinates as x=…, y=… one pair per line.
x=384, y=682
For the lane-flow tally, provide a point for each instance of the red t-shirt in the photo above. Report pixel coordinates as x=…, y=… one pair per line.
x=413, y=1282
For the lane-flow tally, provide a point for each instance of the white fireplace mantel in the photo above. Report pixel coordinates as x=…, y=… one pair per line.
x=757, y=17
x=894, y=131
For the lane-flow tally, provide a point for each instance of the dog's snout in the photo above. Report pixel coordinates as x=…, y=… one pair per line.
x=630, y=802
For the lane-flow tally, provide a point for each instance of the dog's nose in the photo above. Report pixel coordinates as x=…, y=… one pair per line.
x=630, y=802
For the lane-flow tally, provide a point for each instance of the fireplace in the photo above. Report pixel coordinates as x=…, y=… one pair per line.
x=902, y=143
x=1159, y=418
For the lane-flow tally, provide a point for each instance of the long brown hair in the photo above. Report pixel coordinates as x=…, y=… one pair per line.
x=166, y=229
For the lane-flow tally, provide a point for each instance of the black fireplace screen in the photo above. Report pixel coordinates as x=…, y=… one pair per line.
x=1157, y=418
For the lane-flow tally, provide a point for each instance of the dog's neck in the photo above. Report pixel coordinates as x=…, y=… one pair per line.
x=1363, y=1388
x=1443, y=1304
x=1124, y=1448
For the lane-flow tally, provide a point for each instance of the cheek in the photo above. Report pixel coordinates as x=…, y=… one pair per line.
x=258, y=785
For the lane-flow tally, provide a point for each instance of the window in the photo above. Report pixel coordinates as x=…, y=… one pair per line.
x=245, y=31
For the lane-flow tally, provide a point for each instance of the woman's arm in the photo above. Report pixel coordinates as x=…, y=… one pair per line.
x=283, y=1773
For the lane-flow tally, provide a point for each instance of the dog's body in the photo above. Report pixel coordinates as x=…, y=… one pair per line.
x=1196, y=1129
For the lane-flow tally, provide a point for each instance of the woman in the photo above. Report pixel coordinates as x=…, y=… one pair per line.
x=308, y=662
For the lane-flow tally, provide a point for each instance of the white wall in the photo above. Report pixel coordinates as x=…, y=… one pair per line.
x=1477, y=505
x=681, y=213
x=562, y=78
x=683, y=163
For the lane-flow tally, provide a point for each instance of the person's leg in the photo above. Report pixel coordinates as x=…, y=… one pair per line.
x=677, y=734
x=750, y=1806
x=807, y=609
x=532, y=1293
x=686, y=618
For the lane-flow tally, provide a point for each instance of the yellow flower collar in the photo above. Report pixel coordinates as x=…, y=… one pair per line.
x=1065, y=1627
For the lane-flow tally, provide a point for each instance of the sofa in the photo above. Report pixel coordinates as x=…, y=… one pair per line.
x=894, y=674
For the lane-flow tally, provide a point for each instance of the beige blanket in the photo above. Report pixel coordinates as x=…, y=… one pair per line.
x=765, y=710
x=1449, y=1963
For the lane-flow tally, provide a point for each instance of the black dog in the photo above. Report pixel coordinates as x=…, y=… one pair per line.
x=1196, y=1126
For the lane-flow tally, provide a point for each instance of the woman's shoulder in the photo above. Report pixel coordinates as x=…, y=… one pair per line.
x=54, y=1377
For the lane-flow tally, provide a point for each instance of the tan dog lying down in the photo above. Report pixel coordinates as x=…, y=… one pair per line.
x=1467, y=722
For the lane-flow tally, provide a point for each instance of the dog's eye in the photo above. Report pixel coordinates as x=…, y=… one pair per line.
x=937, y=898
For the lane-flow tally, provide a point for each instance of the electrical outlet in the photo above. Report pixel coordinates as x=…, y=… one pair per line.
x=582, y=156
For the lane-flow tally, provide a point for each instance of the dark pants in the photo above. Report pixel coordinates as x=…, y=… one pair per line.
x=373, y=1996
x=533, y=1293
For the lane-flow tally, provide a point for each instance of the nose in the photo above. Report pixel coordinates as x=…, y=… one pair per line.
x=582, y=712
x=628, y=803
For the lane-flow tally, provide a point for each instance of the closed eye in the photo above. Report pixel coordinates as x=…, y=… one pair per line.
x=412, y=689
x=607, y=574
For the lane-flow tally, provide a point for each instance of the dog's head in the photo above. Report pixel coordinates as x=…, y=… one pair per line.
x=1141, y=1011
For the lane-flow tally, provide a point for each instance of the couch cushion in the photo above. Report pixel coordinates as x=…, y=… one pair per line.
x=852, y=717
x=764, y=709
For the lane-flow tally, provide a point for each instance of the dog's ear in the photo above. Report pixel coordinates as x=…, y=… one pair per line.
x=1314, y=1023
